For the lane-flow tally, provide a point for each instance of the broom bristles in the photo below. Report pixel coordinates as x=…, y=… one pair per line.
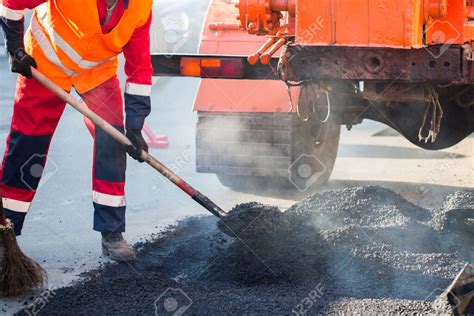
x=20, y=274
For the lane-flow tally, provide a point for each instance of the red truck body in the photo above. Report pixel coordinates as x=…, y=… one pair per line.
x=222, y=36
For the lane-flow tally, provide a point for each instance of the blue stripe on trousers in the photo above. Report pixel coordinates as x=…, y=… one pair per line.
x=17, y=219
x=109, y=219
x=110, y=157
x=25, y=161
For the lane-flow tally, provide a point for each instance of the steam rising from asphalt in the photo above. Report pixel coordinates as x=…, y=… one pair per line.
x=359, y=238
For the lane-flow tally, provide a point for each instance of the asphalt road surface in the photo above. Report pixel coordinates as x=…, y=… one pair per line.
x=58, y=232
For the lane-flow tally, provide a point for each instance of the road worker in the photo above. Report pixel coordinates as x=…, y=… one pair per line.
x=75, y=43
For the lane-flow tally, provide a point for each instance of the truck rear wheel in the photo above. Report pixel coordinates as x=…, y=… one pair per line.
x=303, y=153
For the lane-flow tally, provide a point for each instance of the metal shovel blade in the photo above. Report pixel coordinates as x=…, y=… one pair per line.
x=459, y=296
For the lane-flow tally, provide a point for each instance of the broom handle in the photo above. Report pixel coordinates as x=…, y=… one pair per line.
x=2, y=213
x=121, y=138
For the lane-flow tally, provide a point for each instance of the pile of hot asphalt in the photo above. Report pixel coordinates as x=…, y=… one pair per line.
x=356, y=250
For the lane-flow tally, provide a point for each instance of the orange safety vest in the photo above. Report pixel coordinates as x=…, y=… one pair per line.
x=66, y=40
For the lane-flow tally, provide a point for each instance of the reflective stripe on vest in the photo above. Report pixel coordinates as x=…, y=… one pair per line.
x=10, y=14
x=69, y=46
x=62, y=44
x=45, y=45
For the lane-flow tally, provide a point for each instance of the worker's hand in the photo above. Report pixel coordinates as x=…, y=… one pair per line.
x=139, y=144
x=21, y=62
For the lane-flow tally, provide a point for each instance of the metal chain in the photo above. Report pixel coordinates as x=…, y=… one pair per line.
x=436, y=117
x=328, y=102
x=282, y=72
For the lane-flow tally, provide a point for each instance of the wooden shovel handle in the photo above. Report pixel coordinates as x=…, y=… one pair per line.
x=121, y=138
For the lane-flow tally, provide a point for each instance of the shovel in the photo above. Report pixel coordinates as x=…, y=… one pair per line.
x=122, y=139
x=229, y=225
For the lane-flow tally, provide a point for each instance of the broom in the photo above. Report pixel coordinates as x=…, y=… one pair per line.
x=20, y=274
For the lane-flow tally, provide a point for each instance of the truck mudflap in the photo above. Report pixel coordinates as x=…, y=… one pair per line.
x=265, y=149
x=248, y=144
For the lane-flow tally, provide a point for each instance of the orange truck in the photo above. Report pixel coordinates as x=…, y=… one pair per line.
x=281, y=76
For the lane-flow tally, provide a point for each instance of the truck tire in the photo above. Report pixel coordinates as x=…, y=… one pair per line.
x=314, y=150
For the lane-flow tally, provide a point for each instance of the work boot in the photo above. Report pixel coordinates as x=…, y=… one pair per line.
x=116, y=247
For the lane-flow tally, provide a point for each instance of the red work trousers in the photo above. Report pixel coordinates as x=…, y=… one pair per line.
x=35, y=117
